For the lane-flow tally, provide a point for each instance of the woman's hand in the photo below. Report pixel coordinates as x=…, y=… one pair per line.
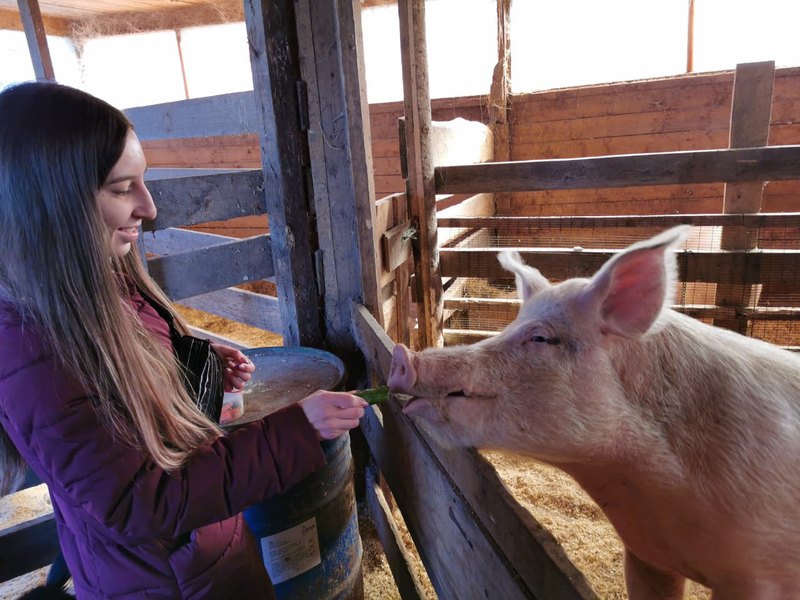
x=332, y=413
x=237, y=367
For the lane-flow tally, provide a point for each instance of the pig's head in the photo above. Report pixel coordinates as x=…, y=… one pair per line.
x=547, y=386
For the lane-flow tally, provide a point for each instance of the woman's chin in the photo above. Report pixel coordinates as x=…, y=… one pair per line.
x=121, y=249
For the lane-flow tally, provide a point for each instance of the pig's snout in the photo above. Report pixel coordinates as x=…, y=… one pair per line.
x=402, y=375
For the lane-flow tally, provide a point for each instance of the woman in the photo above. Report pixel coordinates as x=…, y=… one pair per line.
x=146, y=492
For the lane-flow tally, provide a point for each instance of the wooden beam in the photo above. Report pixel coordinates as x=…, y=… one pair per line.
x=751, y=108
x=360, y=143
x=272, y=34
x=228, y=114
x=398, y=557
x=159, y=173
x=216, y=338
x=495, y=313
x=150, y=18
x=466, y=516
x=420, y=183
x=243, y=306
x=465, y=337
x=322, y=52
x=775, y=163
x=500, y=91
x=32, y=22
x=752, y=221
x=372, y=339
x=396, y=245
x=690, y=39
x=718, y=266
x=193, y=200
x=11, y=20
x=172, y=240
x=222, y=266
x=28, y=546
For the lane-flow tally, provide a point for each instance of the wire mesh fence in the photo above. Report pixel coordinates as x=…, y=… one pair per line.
x=738, y=272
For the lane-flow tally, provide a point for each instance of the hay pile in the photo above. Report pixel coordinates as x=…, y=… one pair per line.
x=561, y=506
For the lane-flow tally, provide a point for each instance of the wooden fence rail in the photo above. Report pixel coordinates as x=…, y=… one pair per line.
x=187, y=201
x=228, y=114
x=715, y=266
x=737, y=165
x=222, y=265
x=751, y=221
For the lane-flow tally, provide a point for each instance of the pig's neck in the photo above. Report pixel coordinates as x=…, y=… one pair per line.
x=695, y=401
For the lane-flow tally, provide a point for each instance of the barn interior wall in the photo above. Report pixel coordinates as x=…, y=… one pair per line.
x=690, y=112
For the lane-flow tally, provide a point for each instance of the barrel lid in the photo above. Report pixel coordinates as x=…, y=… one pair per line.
x=285, y=375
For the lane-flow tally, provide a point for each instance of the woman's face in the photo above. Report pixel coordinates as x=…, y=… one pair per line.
x=124, y=200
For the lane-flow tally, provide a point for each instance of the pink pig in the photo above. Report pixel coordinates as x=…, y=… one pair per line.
x=686, y=435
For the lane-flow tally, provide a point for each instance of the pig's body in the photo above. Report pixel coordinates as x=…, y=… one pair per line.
x=687, y=436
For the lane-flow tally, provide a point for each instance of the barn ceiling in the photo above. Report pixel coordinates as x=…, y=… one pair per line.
x=80, y=9
x=77, y=9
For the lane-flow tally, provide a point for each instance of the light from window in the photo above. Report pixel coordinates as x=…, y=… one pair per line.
x=134, y=70
x=567, y=43
x=462, y=49
x=729, y=32
x=216, y=59
x=15, y=59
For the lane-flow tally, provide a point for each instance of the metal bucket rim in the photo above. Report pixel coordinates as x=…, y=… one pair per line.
x=302, y=350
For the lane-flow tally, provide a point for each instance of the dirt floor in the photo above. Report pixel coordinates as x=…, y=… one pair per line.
x=379, y=583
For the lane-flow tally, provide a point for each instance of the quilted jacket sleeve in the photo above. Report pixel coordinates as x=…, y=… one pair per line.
x=52, y=423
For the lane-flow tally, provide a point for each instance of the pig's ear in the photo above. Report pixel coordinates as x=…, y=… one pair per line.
x=529, y=280
x=632, y=288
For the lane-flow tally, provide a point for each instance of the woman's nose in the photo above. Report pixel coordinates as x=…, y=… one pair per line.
x=146, y=208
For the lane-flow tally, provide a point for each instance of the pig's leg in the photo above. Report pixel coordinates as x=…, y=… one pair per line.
x=645, y=582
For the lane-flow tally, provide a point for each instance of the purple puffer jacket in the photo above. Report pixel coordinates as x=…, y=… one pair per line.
x=129, y=530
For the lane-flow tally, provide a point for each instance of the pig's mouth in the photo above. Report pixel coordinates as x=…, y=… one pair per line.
x=421, y=404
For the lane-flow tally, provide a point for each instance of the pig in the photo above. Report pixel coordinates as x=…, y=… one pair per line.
x=686, y=435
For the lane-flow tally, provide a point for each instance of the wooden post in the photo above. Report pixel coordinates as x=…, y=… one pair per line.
x=340, y=168
x=37, y=40
x=330, y=165
x=751, y=108
x=360, y=136
x=272, y=37
x=420, y=184
x=690, y=39
x=498, y=97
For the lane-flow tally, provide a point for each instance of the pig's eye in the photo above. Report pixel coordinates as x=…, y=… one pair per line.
x=541, y=339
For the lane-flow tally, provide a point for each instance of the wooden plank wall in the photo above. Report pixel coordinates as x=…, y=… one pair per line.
x=241, y=151
x=690, y=112
x=682, y=113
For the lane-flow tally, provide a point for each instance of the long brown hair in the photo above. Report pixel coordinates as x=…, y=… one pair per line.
x=57, y=147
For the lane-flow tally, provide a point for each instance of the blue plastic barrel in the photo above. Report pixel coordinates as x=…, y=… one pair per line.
x=308, y=536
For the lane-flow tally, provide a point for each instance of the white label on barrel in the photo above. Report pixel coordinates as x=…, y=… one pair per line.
x=291, y=552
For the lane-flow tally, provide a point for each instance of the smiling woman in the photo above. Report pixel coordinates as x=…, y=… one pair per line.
x=96, y=394
x=124, y=200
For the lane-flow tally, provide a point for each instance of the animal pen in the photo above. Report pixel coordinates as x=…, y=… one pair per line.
x=384, y=223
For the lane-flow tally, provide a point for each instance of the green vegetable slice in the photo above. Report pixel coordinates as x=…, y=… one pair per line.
x=374, y=396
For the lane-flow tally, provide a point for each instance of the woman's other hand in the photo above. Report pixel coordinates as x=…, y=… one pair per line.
x=332, y=413
x=237, y=367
